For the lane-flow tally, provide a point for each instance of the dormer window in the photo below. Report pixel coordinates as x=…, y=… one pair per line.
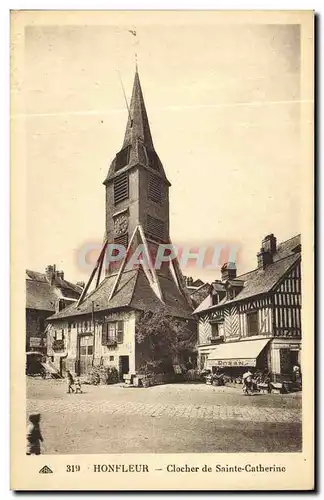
x=215, y=299
x=122, y=158
x=153, y=159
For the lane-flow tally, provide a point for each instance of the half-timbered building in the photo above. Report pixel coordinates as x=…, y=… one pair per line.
x=254, y=320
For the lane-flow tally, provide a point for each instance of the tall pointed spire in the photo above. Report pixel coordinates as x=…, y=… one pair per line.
x=138, y=127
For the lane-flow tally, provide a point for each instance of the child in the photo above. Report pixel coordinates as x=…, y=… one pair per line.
x=70, y=382
x=77, y=386
x=34, y=436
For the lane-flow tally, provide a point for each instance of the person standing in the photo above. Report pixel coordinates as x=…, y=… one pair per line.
x=70, y=382
x=34, y=435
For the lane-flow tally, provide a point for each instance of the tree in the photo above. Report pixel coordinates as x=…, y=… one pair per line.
x=162, y=340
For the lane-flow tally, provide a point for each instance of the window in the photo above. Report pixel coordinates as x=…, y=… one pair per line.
x=69, y=327
x=122, y=158
x=83, y=350
x=59, y=334
x=90, y=349
x=155, y=228
x=121, y=188
x=155, y=188
x=111, y=358
x=252, y=323
x=214, y=299
x=113, y=332
x=215, y=330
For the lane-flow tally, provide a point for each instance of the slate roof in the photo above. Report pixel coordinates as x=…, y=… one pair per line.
x=42, y=295
x=133, y=291
x=260, y=281
x=64, y=285
x=137, y=138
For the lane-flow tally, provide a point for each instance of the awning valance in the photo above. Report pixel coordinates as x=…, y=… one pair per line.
x=242, y=353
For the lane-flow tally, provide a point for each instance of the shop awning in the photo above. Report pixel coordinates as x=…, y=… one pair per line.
x=242, y=353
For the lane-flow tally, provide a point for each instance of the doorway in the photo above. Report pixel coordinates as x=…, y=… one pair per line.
x=123, y=366
x=86, y=354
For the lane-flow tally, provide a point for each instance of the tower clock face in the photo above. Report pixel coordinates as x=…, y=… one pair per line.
x=120, y=224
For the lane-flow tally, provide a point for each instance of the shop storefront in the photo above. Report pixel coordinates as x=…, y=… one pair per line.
x=277, y=356
x=234, y=358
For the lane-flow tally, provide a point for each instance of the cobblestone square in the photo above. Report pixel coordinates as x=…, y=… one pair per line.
x=174, y=418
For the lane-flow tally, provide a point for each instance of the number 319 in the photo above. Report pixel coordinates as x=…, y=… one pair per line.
x=72, y=468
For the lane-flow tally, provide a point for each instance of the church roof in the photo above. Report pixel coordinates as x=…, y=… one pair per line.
x=133, y=291
x=138, y=147
x=138, y=125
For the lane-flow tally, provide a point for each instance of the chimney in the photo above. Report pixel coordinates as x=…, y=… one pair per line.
x=264, y=258
x=50, y=273
x=81, y=284
x=268, y=249
x=60, y=274
x=269, y=243
x=228, y=271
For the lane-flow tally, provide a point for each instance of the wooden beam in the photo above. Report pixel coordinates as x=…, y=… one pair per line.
x=156, y=281
x=122, y=265
x=86, y=288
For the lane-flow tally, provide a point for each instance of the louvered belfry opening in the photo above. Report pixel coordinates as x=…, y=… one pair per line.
x=121, y=187
x=155, y=188
x=121, y=240
x=155, y=228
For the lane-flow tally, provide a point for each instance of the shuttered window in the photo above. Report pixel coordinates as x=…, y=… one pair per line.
x=121, y=188
x=154, y=228
x=113, y=332
x=155, y=189
x=252, y=323
x=122, y=158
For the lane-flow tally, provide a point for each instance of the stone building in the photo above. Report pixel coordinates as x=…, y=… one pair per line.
x=254, y=320
x=46, y=293
x=100, y=328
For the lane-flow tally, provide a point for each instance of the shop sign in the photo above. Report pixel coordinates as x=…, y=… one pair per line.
x=234, y=362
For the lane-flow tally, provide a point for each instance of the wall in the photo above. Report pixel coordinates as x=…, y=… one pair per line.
x=102, y=354
x=287, y=305
x=235, y=320
x=131, y=203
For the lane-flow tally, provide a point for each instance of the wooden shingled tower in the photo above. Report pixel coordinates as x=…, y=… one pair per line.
x=137, y=213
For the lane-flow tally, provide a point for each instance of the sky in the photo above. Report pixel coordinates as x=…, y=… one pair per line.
x=224, y=107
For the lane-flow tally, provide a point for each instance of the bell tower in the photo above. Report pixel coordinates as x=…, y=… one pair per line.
x=137, y=189
x=137, y=216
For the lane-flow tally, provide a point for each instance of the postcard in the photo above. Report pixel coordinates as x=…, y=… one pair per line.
x=162, y=250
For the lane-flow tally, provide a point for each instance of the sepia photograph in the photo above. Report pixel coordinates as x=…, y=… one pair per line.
x=162, y=288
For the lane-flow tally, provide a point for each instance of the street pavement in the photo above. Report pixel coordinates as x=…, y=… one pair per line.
x=163, y=419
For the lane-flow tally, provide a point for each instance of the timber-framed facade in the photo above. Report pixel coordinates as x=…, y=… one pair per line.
x=264, y=304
